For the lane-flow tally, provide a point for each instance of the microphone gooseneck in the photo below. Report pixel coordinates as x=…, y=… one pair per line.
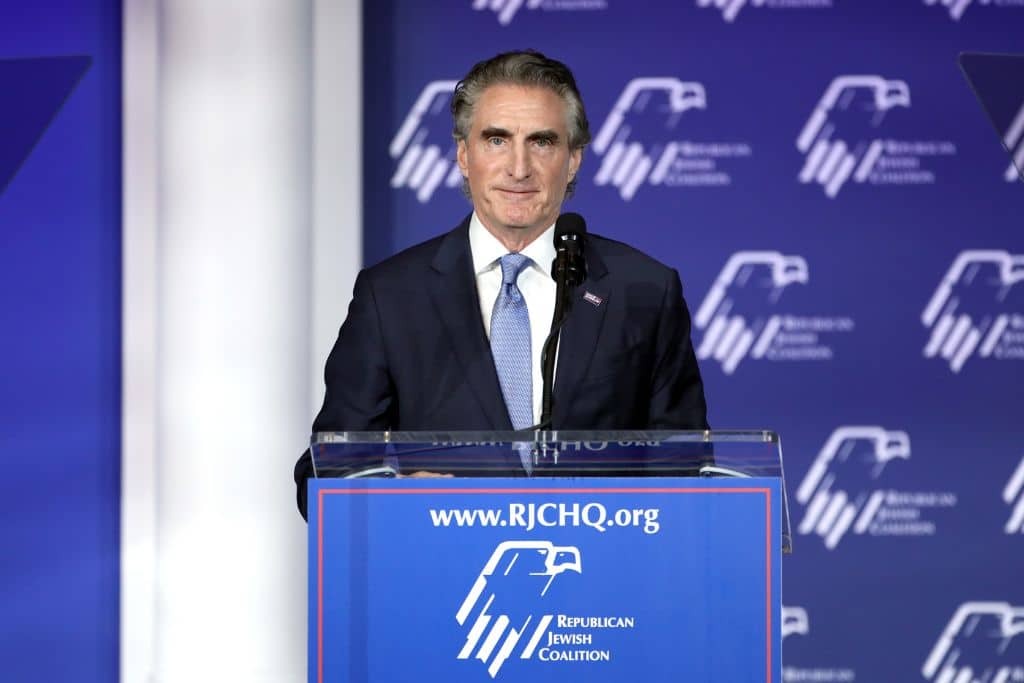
x=569, y=270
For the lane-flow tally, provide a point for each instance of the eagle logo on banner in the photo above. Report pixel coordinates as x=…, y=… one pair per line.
x=982, y=643
x=501, y=606
x=972, y=308
x=840, y=139
x=423, y=145
x=839, y=490
x=732, y=313
x=635, y=141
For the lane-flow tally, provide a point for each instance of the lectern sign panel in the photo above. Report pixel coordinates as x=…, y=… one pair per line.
x=667, y=579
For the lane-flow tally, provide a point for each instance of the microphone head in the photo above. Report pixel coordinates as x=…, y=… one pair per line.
x=570, y=224
x=570, y=265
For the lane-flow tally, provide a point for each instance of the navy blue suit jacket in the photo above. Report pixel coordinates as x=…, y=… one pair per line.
x=413, y=354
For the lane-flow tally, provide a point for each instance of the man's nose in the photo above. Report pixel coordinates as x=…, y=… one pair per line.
x=519, y=162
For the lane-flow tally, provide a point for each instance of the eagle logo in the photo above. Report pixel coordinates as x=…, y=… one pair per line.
x=499, y=608
x=840, y=139
x=749, y=280
x=980, y=644
x=648, y=107
x=424, y=146
x=839, y=489
x=973, y=306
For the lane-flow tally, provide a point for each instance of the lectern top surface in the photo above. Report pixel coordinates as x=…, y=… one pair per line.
x=536, y=454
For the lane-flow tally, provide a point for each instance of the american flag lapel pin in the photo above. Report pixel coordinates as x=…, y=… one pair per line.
x=591, y=298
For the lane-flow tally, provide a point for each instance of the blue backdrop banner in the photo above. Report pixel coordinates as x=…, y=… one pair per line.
x=848, y=233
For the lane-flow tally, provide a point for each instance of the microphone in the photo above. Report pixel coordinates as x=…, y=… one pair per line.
x=569, y=270
x=569, y=266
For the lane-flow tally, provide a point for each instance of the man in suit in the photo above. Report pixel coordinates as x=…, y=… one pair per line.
x=447, y=335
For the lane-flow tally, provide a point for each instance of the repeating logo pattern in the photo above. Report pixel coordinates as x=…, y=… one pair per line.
x=982, y=643
x=740, y=317
x=1013, y=495
x=507, y=9
x=424, y=146
x=638, y=143
x=1014, y=141
x=731, y=8
x=508, y=592
x=853, y=133
x=974, y=309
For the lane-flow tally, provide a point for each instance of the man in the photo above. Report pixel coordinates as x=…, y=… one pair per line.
x=447, y=335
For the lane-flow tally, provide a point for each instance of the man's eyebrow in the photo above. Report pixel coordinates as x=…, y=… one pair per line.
x=548, y=135
x=495, y=132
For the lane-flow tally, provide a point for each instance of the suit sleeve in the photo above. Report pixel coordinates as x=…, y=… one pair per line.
x=677, y=394
x=360, y=394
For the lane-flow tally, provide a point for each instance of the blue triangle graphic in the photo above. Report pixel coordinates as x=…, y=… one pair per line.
x=34, y=90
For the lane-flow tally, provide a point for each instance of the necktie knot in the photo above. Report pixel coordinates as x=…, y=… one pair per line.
x=511, y=266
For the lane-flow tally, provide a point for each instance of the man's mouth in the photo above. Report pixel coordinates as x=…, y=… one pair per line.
x=516, y=193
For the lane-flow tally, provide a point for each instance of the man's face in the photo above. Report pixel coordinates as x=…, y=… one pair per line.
x=517, y=158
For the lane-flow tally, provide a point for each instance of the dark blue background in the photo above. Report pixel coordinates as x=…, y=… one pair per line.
x=60, y=303
x=875, y=254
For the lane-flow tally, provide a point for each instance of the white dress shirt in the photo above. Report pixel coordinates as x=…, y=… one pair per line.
x=535, y=282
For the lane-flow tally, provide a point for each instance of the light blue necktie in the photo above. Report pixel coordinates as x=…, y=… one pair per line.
x=510, y=343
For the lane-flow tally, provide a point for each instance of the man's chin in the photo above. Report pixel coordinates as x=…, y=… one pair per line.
x=524, y=223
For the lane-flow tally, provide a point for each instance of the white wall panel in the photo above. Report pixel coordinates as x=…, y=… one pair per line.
x=241, y=242
x=338, y=178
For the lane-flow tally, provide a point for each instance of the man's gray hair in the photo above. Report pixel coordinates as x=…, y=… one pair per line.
x=527, y=68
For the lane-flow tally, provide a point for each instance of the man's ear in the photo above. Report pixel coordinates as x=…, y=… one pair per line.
x=460, y=157
x=575, y=160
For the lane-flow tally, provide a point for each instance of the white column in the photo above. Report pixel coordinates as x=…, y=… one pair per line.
x=139, y=340
x=337, y=185
x=232, y=298
x=233, y=338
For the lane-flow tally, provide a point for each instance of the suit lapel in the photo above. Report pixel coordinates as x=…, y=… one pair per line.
x=453, y=290
x=580, y=335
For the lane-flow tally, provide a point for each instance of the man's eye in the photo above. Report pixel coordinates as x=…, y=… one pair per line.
x=496, y=141
x=543, y=142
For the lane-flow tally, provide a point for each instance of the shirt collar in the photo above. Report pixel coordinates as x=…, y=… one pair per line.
x=486, y=249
